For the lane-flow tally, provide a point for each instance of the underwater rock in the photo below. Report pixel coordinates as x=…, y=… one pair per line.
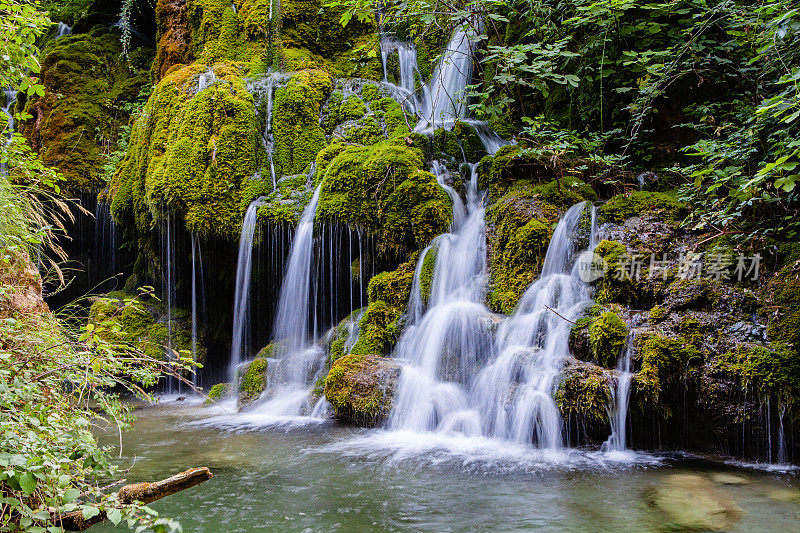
x=692, y=502
x=361, y=388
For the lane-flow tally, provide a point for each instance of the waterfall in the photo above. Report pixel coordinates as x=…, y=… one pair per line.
x=168, y=287
x=292, y=319
x=268, y=136
x=459, y=210
x=440, y=350
x=441, y=101
x=620, y=395
x=457, y=376
x=206, y=79
x=242, y=295
x=295, y=360
x=532, y=344
x=443, y=98
x=197, y=273
x=62, y=30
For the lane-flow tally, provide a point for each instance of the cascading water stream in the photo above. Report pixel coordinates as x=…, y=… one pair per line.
x=458, y=378
x=441, y=101
x=295, y=358
x=62, y=30
x=440, y=349
x=242, y=295
x=459, y=210
x=197, y=276
x=291, y=321
x=168, y=288
x=620, y=395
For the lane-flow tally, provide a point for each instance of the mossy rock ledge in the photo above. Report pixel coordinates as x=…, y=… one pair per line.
x=361, y=388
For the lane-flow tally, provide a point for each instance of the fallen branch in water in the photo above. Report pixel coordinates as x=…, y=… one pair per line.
x=559, y=314
x=138, y=492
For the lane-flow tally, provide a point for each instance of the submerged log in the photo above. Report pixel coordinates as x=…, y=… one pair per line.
x=138, y=492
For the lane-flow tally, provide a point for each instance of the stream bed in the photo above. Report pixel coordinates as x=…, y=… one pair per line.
x=308, y=475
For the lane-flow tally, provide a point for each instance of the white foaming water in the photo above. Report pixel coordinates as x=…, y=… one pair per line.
x=441, y=348
x=459, y=210
x=197, y=268
x=242, y=296
x=620, y=395
x=297, y=360
x=291, y=320
x=462, y=380
x=443, y=98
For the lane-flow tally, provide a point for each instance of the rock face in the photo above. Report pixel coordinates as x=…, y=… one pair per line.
x=26, y=296
x=361, y=387
x=693, y=503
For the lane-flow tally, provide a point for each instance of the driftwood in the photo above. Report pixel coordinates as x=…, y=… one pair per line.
x=139, y=492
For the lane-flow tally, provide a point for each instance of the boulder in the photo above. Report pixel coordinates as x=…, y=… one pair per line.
x=692, y=502
x=360, y=388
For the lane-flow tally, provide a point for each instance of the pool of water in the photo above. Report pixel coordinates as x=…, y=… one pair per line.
x=306, y=475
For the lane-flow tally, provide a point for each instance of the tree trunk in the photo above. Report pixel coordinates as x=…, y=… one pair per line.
x=141, y=492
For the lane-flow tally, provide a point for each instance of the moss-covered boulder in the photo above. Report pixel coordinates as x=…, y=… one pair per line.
x=378, y=329
x=295, y=122
x=190, y=152
x=607, y=335
x=383, y=188
x=252, y=380
x=519, y=227
x=583, y=392
x=218, y=392
x=624, y=206
x=360, y=388
x=89, y=89
x=126, y=319
x=664, y=363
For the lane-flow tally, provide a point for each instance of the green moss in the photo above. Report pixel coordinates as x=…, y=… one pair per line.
x=782, y=295
x=218, y=392
x=189, y=154
x=664, y=362
x=252, y=381
x=426, y=274
x=771, y=371
x=583, y=392
x=657, y=314
x=360, y=388
x=612, y=287
x=625, y=206
x=383, y=189
x=392, y=287
x=379, y=329
x=295, y=122
x=340, y=338
x=520, y=227
x=88, y=92
x=607, y=337
x=121, y=318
